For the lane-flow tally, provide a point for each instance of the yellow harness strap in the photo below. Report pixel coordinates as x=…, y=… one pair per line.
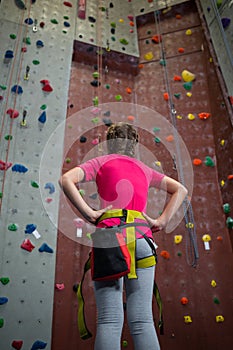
x=130, y=216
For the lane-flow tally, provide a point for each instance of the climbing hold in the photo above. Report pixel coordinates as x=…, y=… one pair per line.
x=27, y=245
x=197, y=161
x=188, y=85
x=225, y=22
x=107, y=121
x=54, y=21
x=12, y=227
x=166, y=96
x=165, y=254
x=42, y=24
x=34, y=184
x=66, y=24
x=83, y=139
x=47, y=88
x=149, y=56
x=28, y=21
x=188, y=319
x=216, y=300
x=17, y=344
x=131, y=118
x=19, y=168
x=157, y=140
x=95, y=120
x=128, y=90
x=219, y=318
x=59, y=286
x=9, y=54
x=156, y=39
x=67, y=3
x=36, y=62
x=204, y=115
x=181, y=50
x=13, y=113
x=50, y=186
x=95, y=83
x=20, y=4
x=13, y=36
x=5, y=165
x=38, y=345
x=219, y=238
x=118, y=97
x=209, y=161
x=5, y=280
x=3, y=300
x=213, y=283
x=68, y=160
x=178, y=239
x=30, y=228
x=177, y=95
x=43, y=107
x=45, y=248
x=95, y=141
x=95, y=101
x=27, y=41
x=206, y=239
x=230, y=177
x=222, y=183
x=170, y=138
x=124, y=343
x=82, y=192
x=177, y=78
x=191, y=116
x=42, y=118
x=188, y=76
x=17, y=89
x=93, y=196
x=229, y=222
x=1, y=322
x=39, y=44
x=184, y=301
x=123, y=41
x=189, y=94
x=188, y=32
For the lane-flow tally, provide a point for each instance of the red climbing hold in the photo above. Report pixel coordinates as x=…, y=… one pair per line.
x=67, y=3
x=177, y=78
x=47, y=88
x=156, y=39
x=5, y=165
x=204, y=115
x=17, y=344
x=27, y=245
x=45, y=81
x=12, y=113
x=165, y=254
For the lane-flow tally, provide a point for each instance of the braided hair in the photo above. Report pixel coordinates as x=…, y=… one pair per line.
x=122, y=139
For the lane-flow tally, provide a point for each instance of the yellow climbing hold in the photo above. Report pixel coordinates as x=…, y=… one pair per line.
x=149, y=56
x=191, y=116
x=222, y=142
x=222, y=183
x=178, y=239
x=219, y=318
x=188, y=32
x=188, y=76
x=121, y=20
x=213, y=283
x=189, y=94
x=179, y=117
x=188, y=319
x=158, y=163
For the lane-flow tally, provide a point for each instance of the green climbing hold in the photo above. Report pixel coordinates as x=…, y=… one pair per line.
x=107, y=86
x=95, y=120
x=12, y=227
x=157, y=140
x=64, y=31
x=8, y=137
x=54, y=21
x=113, y=38
x=229, y=222
x=1, y=195
x=43, y=107
x=96, y=75
x=13, y=36
x=66, y=17
x=162, y=62
x=96, y=101
x=36, y=62
x=188, y=85
x=226, y=208
x=124, y=343
x=3, y=87
x=216, y=301
x=5, y=280
x=118, y=97
x=113, y=24
x=179, y=254
x=177, y=95
x=27, y=41
x=82, y=192
x=123, y=41
x=219, y=3
x=209, y=161
x=1, y=322
x=34, y=184
x=68, y=160
x=156, y=129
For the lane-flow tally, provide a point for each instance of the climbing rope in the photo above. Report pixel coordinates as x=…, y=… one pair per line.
x=191, y=247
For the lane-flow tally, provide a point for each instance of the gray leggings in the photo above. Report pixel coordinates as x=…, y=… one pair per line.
x=110, y=311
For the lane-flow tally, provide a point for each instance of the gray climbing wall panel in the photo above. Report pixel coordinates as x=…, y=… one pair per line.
x=219, y=19
x=29, y=196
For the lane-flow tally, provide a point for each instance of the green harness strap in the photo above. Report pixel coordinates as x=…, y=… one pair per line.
x=82, y=327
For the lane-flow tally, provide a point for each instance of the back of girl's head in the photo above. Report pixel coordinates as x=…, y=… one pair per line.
x=122, y=139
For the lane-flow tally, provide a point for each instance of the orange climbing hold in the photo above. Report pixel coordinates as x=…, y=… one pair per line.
x=128, y=90
x=204, y=115
x=197, y=161
x=181, y=50
x=170, y=138
x=141, y=65
x=131, y=118
x=177, y=78
x=184, y=301
x=156, y=39
x=165, y=254
x=230, y=177
x=166, y=96
x=178, y=16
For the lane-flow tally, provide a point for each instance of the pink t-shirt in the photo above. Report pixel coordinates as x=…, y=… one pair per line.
x=121, y=181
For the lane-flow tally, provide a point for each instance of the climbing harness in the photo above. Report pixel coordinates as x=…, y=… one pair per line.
x=127, y=218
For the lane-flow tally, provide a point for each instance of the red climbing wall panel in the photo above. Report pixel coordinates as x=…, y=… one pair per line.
x=176, y=277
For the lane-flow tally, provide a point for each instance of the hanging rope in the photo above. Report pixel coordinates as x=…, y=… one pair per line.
x=191, y=247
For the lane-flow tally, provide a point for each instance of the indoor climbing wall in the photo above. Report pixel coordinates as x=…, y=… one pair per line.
x=177, y=79
x=36, y=41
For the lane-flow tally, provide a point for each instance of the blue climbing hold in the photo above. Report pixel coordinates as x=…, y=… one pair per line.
x=45, y=248
x=66, y=24
x=39, y=43
x=50, y=186
x=17, y=89
x=3, y=300
x=42, y=117
x=9, y=54
x=38, y=345
x=19, y=168
x=225, y=22
x=30, y=228
x=28, y=21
